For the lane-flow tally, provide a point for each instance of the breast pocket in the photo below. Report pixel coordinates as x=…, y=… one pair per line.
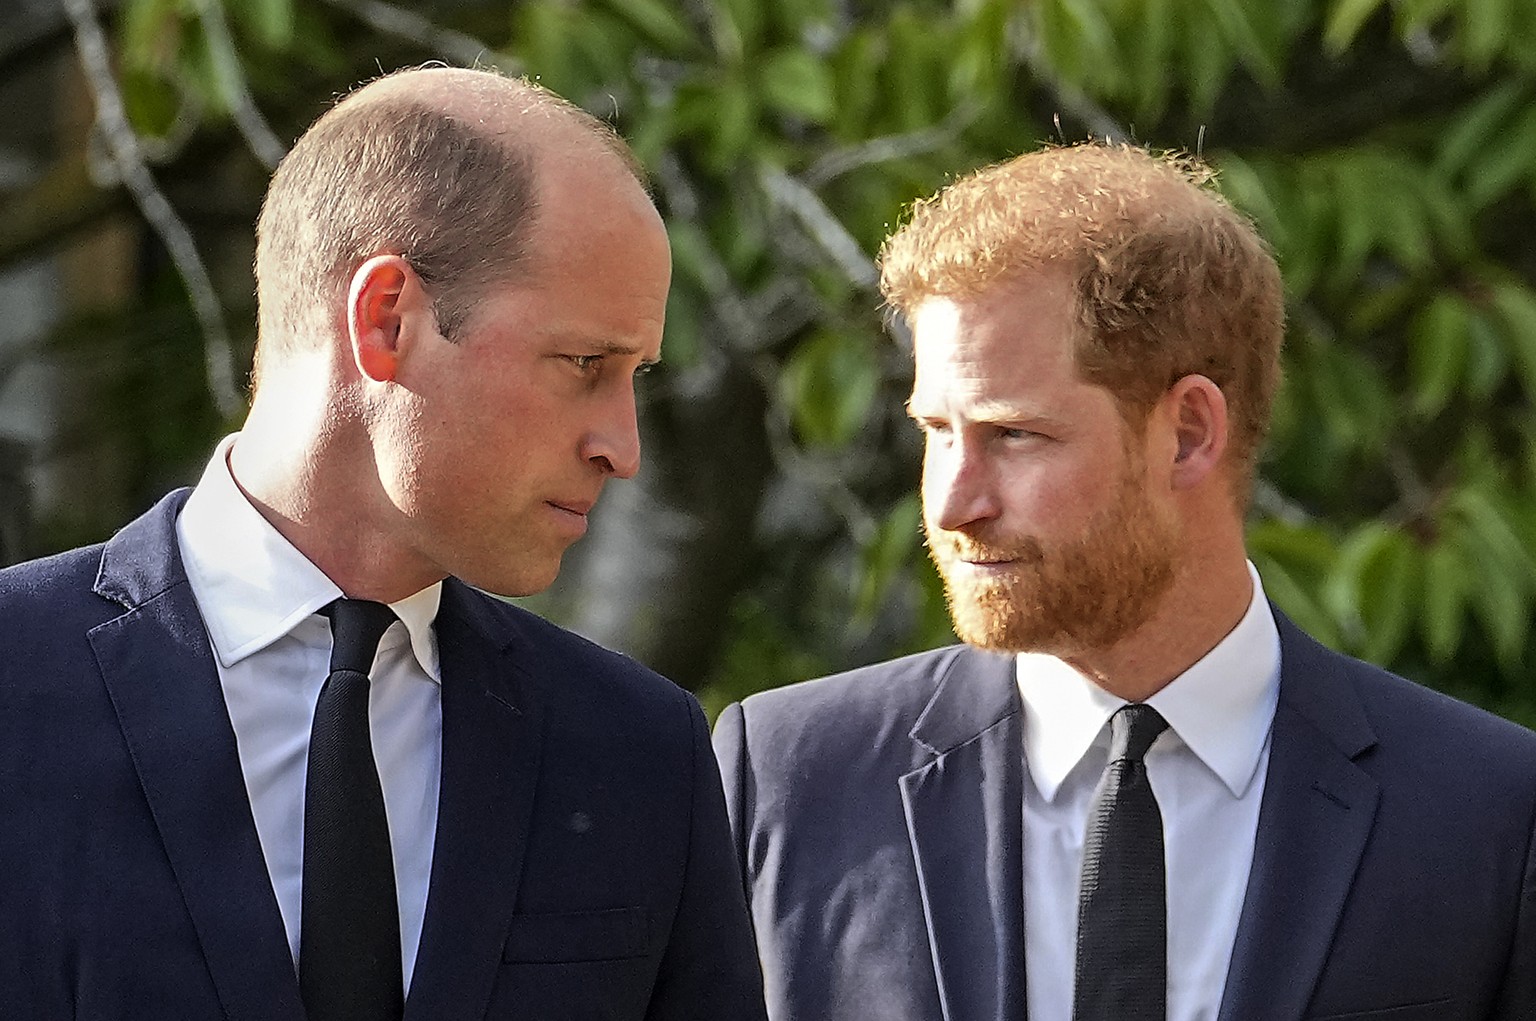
x=577, y=966
x=574, y=936
x=1428, y=1010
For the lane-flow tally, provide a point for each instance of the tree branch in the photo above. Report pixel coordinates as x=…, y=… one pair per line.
x=891, y=147
x=129, y=162
x=401, y=23
x=247, y=116
x=826, y=229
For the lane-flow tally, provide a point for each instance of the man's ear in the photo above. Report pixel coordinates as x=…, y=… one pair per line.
x=1197, y=409
x=385, y=301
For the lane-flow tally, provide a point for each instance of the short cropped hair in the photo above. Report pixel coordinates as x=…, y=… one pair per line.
x=1171, y=280
x=395, y=175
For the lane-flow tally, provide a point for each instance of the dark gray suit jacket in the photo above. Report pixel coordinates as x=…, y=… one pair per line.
x=582, y=867
x=878, y=817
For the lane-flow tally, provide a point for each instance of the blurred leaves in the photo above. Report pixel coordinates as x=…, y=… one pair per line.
x=1386, y=149
x=830, y=383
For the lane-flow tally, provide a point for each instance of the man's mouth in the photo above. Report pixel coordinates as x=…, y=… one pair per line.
x=579, y=507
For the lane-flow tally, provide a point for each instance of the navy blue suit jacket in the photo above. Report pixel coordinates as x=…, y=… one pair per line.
x=582, y=868
x=878, y=816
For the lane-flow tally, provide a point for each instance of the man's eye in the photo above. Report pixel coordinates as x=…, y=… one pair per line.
x=585, y=363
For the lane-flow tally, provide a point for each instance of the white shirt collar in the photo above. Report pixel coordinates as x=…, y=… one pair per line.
x=1221, y=707
x=253, y=587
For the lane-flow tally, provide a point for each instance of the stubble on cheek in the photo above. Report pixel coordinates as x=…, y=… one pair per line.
x=1084, y=595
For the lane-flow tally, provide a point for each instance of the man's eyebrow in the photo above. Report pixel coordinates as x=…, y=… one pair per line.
x=989, y=412
x=609, y=346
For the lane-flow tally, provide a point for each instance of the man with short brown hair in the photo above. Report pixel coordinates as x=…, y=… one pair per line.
x=268, y=752
x=1138, y=791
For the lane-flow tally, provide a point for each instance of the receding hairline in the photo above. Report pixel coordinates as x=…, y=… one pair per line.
x=512, y=110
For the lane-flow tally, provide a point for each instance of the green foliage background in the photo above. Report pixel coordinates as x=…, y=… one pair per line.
x=1387, y=150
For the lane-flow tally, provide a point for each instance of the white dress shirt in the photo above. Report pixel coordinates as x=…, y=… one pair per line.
x=258, y=597
x=1207, y=771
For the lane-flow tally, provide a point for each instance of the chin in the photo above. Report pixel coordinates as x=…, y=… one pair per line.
x=513, y=584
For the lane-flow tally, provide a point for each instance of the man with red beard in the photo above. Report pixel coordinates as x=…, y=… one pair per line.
x=1137, y=791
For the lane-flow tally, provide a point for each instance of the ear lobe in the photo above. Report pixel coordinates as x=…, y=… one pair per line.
x=378, y=305
x=1199, y=411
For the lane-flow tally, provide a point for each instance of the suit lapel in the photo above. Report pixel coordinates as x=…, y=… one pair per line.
x=1316, y=815
x=159, y=672
x=492, y=737
x=964, y=815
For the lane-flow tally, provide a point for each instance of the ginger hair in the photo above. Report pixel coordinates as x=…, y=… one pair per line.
x=1170, y=279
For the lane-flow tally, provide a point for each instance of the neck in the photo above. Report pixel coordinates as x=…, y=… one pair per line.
x=305, y=461
x=1207, y=599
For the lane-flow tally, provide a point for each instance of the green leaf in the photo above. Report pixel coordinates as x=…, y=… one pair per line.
x=1501, y=604
x=1389, y=583
x=1372, y=589
x=795, y=82
x=604, y=50
x=1294, y=561
x=1489, y=522
x=1311, y=216
x=1345, y=21
x=1448, y=583
x=1501, y=167
x=684, y=331
x=1150, y=50
x=830, y=384
x=1420, y=15
x=1296, y=602
x=659, y=24
x=886, y=554
x=1209, y=68
x=737, y=27
x=1438, y=343
x=1243, y=186
x=692, y=255
x=224, y=69
x=1477, y=126
x=914, y=71
x=1484, y=30
x=206, y=73
x=1487, y=357
x=1305, y=549
x=149, y=101
x=801, y=19
x=1078, y=43
x=981, y=64
x=1516, y=308
x=855, y=72
x=542, y=30
x=1505, y=571
x=1240, y=32
x=149, y=33
x=1358, y=203
x=1406, y=233
x=721, y=114
x=269, y=21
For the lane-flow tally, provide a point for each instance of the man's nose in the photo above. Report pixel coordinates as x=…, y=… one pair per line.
x=613, y=445
x=959, y=486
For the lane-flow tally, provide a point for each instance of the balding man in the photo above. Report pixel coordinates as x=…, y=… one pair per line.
x=266, y=753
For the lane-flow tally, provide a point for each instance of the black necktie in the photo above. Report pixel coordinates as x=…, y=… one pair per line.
x=349, y=932
x=1122, y=938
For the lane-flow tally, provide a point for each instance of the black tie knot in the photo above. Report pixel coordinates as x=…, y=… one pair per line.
x=1132, y=730
x=356, y=627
